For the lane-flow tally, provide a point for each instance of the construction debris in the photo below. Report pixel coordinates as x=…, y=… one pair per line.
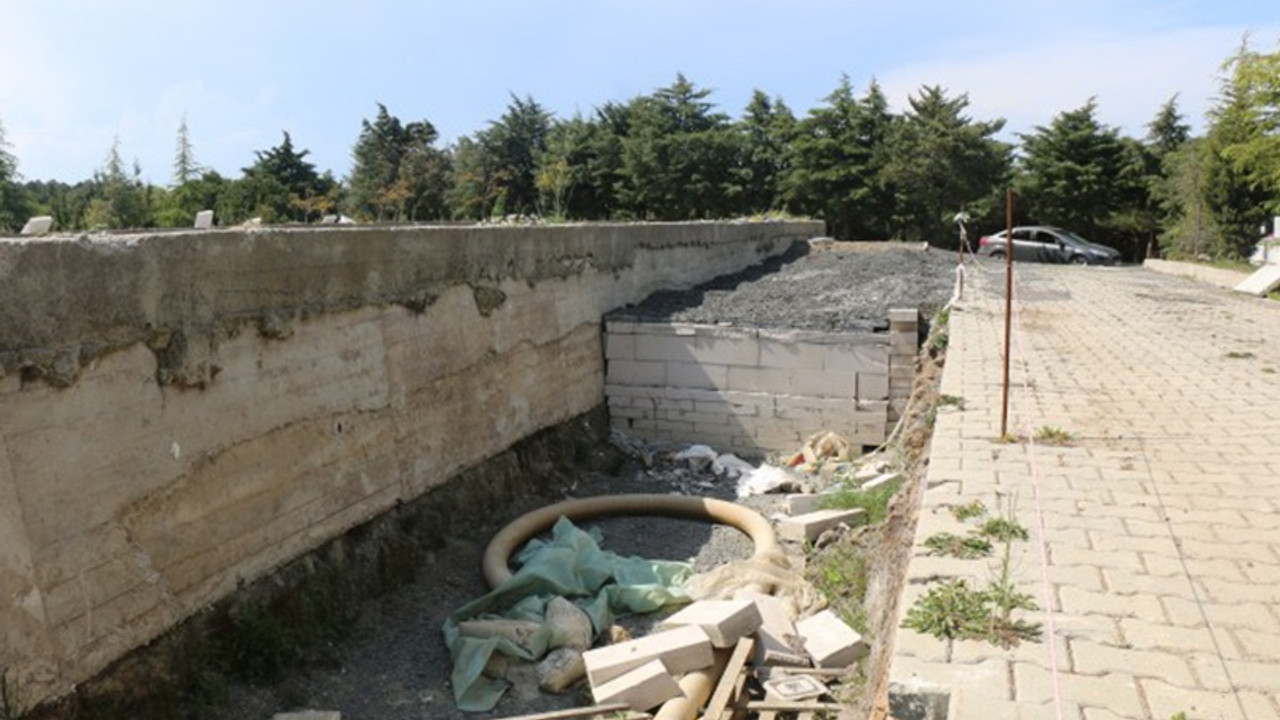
x=680, y=650
x=807, y=527
x=724, y=621
x=830, y=642
x=560, y=669
x=644, y=687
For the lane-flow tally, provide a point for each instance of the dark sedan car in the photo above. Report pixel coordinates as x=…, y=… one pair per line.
x=1040, y=243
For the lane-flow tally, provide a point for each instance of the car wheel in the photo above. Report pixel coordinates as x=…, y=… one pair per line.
x=1079, y=260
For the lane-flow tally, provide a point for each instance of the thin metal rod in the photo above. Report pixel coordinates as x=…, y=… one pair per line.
x=1008, y=309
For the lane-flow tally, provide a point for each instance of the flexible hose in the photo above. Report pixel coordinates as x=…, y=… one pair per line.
x=537, y=521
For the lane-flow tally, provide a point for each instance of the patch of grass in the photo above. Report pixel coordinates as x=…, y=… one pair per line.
x=1239, y=355
x=1050, y=435
x=951, y=401
x=1269, y=370
x=971, y=509
x=875, y=502
x=1003, y=529
x=958, y=546
x=840, y=572
x=1007, y=439
x=950, y=610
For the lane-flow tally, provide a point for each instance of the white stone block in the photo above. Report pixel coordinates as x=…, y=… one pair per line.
x=777, y=642
x=38, y=225
x=829, y=641
x=680, y=649
x=724, y=621
x=642, y=688
x=809, y=526
x=880, y=481
x=204, y=220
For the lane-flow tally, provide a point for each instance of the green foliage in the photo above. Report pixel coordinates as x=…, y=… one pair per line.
x=840, y=573
x=10, y=707
x=940, y=162
x=950, y=609
x=971, y=509
x=14, y=202
x=1050, y=435
x=965, y=547
x=836, y=159
x=397, y=172
x=1003, y=529
x=875, y=501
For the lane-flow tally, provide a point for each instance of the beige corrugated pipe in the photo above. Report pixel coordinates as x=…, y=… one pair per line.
x=537, y=521
x=697, y=686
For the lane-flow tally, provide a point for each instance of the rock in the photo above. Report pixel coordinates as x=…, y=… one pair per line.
x=520, y=632
x=570, y=626
x=699, y=457
x=497, y=666
x=560, y=669
x=618, y=634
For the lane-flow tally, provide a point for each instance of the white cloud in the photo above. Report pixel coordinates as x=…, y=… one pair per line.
x=1130, y=75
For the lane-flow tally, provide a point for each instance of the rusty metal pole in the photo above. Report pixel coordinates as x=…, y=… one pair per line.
x=1008, y=309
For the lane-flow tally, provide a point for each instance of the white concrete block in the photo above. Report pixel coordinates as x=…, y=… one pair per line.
x=829, y=641
x=777, y=642
x=1261, y=282
x=880, y=480
x=634, y=372
x=204, y=220
x=680, y=649
x=724, y=621
x=645, y=687
x=803, y=503
x=809, y=526
x=38, y=225
x=694, y=375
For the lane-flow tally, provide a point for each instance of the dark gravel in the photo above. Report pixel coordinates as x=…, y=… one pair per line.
x=833, y=287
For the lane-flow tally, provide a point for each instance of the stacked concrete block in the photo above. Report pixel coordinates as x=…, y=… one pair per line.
x=777, y=642
x=724, y=621
x=904, y=344
x=830, y=642
x=756, y=390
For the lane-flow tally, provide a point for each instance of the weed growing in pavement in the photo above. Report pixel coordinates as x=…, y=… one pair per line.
x=958, y=546
x=1007, y=439
x=1003, y=529
x=971, y=509
x=956, y=610
x=1269, y=370
x=1239, y=355
x=951, y=401
x=1050, y=435
x=875, y=501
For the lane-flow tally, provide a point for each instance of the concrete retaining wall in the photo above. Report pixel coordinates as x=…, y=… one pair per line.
x=182, y=413
x=1221, y=277
x=753, y=391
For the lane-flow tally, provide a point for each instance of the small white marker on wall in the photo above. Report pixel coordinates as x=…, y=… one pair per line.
x=175, y=451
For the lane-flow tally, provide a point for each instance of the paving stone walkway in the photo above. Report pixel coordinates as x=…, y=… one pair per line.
x=1161, y=517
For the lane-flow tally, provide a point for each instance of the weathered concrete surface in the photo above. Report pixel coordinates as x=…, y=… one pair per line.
x=1222, y=277
x=1161, y=519
x=180, y=414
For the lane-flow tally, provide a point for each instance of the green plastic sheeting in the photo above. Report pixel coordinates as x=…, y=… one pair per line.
x=573, y=566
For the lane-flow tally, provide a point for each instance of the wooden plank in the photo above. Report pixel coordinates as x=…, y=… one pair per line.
x=582, y=712
x=781, y=706
x=724, y=693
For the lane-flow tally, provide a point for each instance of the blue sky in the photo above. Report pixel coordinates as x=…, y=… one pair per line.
x=76, y=73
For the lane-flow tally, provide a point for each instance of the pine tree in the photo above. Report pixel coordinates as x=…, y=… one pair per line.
x=14, y=204
x=185, y=168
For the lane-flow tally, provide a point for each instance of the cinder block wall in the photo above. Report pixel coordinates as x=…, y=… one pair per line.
x=181, y=413
x=754, y=391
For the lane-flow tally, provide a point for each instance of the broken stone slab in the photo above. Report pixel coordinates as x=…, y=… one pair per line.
x=829, y=641
x=777, y=642
x=724, y=621
x=802, y=503
x=641, y=688
x=38, y=225
x=1261, y=282
x=880, y=481
x=570, y=626
x=871, y=470
x=204, y=220
x=308, y=715
x=807, y=527
x=680, y=649
x=560, y=669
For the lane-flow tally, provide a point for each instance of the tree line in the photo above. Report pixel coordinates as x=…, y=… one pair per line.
x=868, y=172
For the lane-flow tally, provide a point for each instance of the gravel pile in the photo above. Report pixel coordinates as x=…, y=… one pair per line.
x=832, y=287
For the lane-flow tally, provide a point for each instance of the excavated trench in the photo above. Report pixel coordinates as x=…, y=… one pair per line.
x=356, y=626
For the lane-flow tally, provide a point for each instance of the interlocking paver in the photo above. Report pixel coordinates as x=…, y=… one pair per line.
x=1162, y=518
